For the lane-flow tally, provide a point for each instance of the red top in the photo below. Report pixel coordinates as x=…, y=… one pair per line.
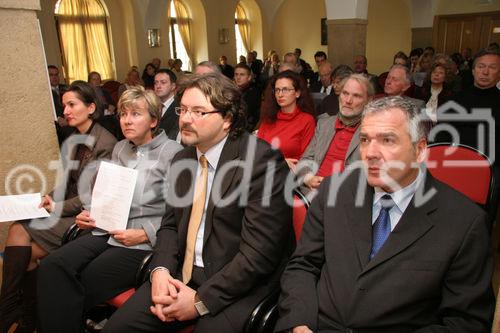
x=291, y=132
x=338, y=149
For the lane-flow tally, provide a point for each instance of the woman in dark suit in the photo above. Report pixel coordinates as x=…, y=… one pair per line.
x=30, y=240
x=436, y=90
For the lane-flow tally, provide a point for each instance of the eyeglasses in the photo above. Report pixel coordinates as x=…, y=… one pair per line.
x=283, y=90
x=194, y=114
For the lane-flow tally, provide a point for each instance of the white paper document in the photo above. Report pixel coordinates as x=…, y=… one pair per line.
x=112, y=196
x=21, y=207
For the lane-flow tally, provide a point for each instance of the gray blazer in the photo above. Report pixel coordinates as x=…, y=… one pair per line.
x=318, y=147
x=152, y=161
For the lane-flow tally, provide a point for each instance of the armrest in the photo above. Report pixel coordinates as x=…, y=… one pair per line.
x=255, y=322
x=71, y=234
x=142, y=272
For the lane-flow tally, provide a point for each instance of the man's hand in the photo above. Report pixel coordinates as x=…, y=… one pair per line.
x=292, y=163
x=301, y=329
x=47, y=203
x=163, y=293
x=84, y=221
x=130, y=237
x=183, y=307
x=312, y=181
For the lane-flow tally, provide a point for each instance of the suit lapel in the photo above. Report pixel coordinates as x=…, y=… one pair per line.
x=229, y=152
x=414, y=223
x=353, y=144
x=358, y=220
x=325, y=140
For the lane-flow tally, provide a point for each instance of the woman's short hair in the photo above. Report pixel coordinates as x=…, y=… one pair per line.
x=130, y=97
x=85, y=93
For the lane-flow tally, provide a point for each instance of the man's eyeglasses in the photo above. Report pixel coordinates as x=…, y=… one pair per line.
x=195, y=114
x=283, y=90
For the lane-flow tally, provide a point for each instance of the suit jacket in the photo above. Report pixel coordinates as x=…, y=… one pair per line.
x=433, y=274
x=170, y=121
x=245, y=247
x=329, y=105
x=318, y=147
x=100, y=143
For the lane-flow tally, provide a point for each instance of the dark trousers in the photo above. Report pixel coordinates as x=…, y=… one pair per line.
x=80, y=275
x=135, y=316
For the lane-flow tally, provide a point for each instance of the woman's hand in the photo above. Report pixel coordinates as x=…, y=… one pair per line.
x=47, y=203
x=84, y=221
x=130, y=237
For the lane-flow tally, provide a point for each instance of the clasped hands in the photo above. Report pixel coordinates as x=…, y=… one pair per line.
x=172, y=300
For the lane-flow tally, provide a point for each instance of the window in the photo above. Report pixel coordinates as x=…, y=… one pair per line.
x=82, y=29
x=242, y=31
x=180, y=33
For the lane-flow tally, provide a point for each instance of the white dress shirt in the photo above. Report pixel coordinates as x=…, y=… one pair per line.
x=401, y=198
x=212, y=155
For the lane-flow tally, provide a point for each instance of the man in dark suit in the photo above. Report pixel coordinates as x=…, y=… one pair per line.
x=389, y=248
x=225, y=68
x=251, y=93
x=165, y=87
x=224, y=243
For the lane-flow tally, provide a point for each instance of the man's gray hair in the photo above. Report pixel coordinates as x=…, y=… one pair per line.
x=419, y=124
x=363, y=80
x=209, y=64
x=405, y=69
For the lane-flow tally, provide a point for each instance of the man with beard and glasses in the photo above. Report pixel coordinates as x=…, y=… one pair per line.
x=335, y=142
x=222, y=251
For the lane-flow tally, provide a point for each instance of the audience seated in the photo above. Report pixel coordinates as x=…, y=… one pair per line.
x=482, y=99
x=148, y=76
x=375, y=255
x=324, y=85
x=225, y=68
x=436, y=90
x=214, y=262
x=287, y=116
x=251, y=93
x=30, y=240
x=319, y=57
x=271, y=67
x=360, y=65
x=206, y=67
x=330, y=104
x=133, y=79
x=335, y=144
x=165, y=88
x=102, y=264
x=397, y=83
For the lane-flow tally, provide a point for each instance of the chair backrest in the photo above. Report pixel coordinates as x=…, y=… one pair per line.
x=300, y=206
x=464, y=168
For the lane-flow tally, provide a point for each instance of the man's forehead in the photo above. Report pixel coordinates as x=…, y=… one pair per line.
x=162, y=76
x=488, y=58
x=195, y=97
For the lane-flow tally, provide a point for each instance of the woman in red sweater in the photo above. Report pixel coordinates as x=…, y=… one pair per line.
x=287, y=116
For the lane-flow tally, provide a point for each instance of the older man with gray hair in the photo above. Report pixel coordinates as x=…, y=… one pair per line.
x=386, y=247
x=397, y=83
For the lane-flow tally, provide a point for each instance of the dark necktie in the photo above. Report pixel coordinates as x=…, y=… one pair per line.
x=382, y=226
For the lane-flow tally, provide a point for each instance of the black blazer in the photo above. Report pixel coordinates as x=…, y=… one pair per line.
x=245, y=247
x=170, y=121
x=433, y=274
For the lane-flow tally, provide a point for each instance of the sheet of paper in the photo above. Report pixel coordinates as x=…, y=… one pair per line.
x=21, y=207
x=112, y=196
